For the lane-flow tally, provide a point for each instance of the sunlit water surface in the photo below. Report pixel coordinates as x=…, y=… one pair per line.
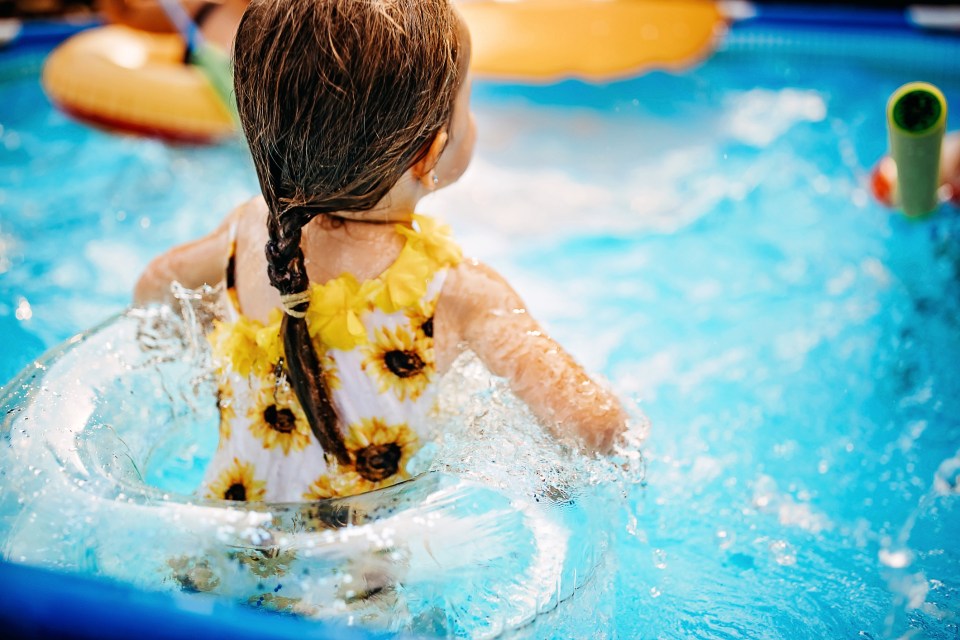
x=705, y=242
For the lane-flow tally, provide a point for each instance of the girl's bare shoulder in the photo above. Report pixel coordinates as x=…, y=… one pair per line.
x=474, y=287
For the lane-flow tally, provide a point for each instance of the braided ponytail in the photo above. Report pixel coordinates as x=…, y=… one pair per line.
x=338, y=98
x=287, y=273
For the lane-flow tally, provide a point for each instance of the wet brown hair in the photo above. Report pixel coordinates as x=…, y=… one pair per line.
x=338, y=98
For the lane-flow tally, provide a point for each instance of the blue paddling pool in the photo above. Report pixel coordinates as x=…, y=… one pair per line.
x=705, y=240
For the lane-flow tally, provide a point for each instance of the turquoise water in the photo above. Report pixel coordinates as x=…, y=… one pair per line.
x=703, y=240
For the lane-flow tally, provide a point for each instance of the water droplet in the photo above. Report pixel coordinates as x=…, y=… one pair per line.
x=725, y=539
x=660, y=558
x=896, y=558
x=654, y=592
x=783, y=553
x=24, y=311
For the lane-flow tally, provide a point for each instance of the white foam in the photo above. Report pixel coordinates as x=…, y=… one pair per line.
x=760, y=116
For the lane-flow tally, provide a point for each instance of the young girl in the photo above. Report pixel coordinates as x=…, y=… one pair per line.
x=346, y=304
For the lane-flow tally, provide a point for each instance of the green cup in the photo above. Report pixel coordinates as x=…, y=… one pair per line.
x=916, y=122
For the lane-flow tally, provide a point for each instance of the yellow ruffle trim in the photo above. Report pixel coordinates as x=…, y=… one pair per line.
x=247, y=346
x=336, y=307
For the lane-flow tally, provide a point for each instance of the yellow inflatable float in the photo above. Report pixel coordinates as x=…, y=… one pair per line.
x=591, y=39
x=135, y=81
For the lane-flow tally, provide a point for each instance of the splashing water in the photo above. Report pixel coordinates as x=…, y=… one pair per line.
x=107, y=438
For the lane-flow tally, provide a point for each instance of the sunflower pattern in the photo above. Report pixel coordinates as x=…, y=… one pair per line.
x=374, y=340
x=331, y=373
x=281, y=604
x=379, y=455
x=421, y=317
x=237, y=482
x=225, y=402
x=380, y=451
x=267, y=562
x=337, y=481
x=401, y=361
x=277, y=420
x=193, y=575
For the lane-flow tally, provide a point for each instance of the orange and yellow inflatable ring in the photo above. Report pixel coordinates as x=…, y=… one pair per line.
x=136, y=82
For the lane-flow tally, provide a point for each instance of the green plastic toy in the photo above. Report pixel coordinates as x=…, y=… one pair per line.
x=916, y=122
x=215, y=65
x=212, y=62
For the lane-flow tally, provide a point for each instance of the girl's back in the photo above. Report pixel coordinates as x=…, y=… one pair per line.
x=372, y=324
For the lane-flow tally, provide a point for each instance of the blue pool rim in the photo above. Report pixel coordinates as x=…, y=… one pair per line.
x=45, y=603
x=39, y=603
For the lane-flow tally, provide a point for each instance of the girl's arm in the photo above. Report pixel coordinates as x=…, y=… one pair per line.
x=193, y=265
x=490, y=318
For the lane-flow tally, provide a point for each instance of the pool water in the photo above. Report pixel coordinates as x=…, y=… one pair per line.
x=705, y=241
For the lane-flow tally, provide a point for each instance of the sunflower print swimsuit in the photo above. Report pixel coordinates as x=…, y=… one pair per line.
x=374, y=340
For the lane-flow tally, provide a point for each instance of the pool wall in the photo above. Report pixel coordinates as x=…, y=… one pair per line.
x=43, y=604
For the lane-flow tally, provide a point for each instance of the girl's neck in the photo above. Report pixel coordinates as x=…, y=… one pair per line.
x=398, y=206
x=364, y=248
x=346, y=227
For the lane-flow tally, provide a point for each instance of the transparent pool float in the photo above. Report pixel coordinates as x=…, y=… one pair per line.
x=105, y=438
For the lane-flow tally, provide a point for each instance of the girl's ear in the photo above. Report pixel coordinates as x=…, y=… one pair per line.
x=422, y=170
